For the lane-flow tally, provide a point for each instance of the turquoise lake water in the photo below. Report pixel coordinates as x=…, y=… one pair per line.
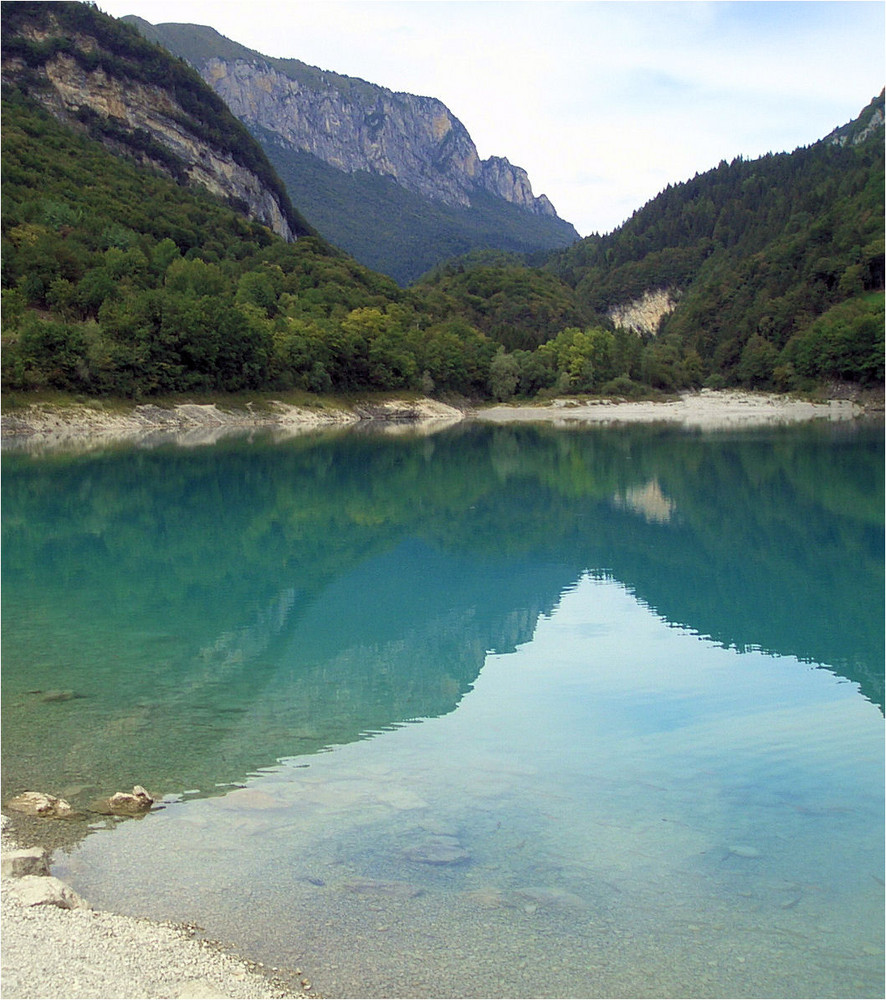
x=499, y=712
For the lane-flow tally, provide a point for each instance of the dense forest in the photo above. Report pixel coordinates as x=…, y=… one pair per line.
x=777, y=263
x=120, y=279
x=397, y=232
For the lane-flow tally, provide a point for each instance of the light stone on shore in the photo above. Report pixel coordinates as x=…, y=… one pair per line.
x=84, y=427
x=707, y=410
x=54, y=946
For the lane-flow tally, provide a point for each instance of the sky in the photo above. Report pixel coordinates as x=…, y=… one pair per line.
x=603, y=103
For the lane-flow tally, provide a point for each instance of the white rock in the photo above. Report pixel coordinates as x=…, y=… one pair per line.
x=46, y=890
x=40, y=804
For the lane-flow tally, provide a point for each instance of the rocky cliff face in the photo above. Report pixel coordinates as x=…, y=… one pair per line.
x=869, y=122
x=76, y=86
x=348, y=123
x=644, y=315
x=416, y=141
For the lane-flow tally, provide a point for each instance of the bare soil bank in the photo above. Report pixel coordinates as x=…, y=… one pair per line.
x=84, y=426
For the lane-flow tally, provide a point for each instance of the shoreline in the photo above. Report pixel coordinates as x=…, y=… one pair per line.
x=707, y=409
x=85, y=426
x=71, y=951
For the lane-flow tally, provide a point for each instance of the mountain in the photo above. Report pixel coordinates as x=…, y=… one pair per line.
x=393, y=178
x=765, y=272
x=132, y=262
x=102, y=77
x=138, y=258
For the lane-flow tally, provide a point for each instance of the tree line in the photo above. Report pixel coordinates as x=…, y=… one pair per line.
x=117, y=280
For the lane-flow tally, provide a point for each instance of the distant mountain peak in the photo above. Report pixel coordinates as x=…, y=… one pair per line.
x=393, y=178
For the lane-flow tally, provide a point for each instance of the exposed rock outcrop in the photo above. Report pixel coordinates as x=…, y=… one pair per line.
x=415, y=140
x=132, y=803
x=40, y=804
x=348, y=123
x=869, y=122
x=644, y=315
x=108, y=93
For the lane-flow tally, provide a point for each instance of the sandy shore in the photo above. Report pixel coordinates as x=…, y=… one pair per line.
x=87, y=426
x=705, y=410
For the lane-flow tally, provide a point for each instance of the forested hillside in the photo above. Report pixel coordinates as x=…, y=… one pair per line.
x=120, y=279
x=398, y=232
x=393, y=178
x=103, y=78
x=776, y=264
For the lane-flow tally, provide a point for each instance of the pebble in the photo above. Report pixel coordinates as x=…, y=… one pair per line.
x=744, y=851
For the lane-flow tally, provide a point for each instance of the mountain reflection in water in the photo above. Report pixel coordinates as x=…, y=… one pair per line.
x=183, y=618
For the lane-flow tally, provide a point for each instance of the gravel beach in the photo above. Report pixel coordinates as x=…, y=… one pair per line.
x=54, y=952
x=85, y=427
x=705, y=410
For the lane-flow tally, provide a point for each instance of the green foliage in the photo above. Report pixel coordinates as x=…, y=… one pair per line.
x=504, y=375
x=517, y=306
x=584, y=358
x=759, y=249
x=121, y=53
x=397, y=232
x=116, y=281
x=845, y=343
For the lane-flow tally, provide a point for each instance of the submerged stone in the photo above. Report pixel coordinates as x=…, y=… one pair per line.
x=26, y=861
x=398, y=890
x=487, y=897
x=744, y=851
x=438, y=851
x=127, y=803
x=549, y=896
x=51, y=696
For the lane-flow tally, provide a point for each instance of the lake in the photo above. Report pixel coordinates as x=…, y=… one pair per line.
x=497, y=712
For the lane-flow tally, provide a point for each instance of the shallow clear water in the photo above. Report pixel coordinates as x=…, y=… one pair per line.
x=500, y=712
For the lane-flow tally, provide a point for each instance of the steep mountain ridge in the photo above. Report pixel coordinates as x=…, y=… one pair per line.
x=748, y=257
x=349, y=123
x=102, y=77
x=393, y=178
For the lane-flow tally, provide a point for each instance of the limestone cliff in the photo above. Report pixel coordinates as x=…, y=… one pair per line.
x=350, y=124
x=644, y=315
x=74, y=64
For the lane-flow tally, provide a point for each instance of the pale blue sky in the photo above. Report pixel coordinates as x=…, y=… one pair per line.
x=603, y=103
